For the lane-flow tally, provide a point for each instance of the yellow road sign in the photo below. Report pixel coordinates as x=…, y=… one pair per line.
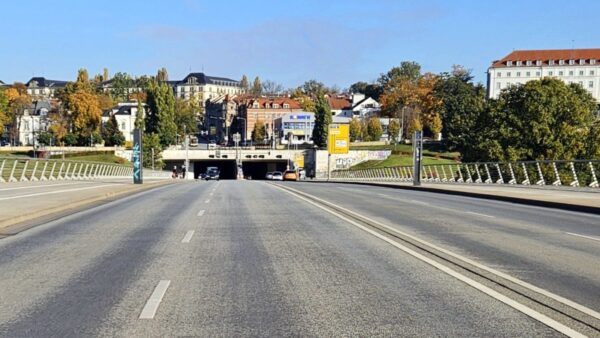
x=338, y=138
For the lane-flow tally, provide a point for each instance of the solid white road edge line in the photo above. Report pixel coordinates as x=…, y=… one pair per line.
x=583, y=236
x=490, y=292
x=478, y=214
x=153, y=302
x=188, y=236
x=201, y=213
x=56, y=192
x=46, y=186
x=532, y=287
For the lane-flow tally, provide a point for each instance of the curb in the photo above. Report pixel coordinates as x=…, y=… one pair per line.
x=519, y=200
x=18, y=224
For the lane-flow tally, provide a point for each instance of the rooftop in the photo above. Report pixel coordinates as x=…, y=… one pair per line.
x=546, y=56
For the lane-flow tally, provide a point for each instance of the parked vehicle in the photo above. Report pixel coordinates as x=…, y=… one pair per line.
x=277, y=176
x=269, y=176
x=290, y=175
x=212, y=173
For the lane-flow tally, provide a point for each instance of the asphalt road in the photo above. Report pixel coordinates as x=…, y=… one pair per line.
x=243, y=258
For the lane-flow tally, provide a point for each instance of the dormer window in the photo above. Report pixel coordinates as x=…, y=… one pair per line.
x=561, y=62
x=518, y=63
x=538, y=63
x=551, y=62
x=528, y=63
x=509, y=63
x=255, y=105
x=286, y=106
x=267, y=105
x=592, y=61
x=275, y=105
x=581, y=61
x=571, y=62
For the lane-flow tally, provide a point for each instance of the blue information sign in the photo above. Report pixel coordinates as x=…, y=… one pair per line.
x=136, y=157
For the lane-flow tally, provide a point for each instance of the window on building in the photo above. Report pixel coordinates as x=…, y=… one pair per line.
x=538, y=63
x=592, y=72
x=571, y=73
x=561, y=73
x=498, y=85
x=591, y=84
x=528, y=62
x=275, y=105
x=499, y=74
x=509, y=63
x=123, y=125
x=581, y=73
x=592, y=61
x=550, y=73
x=519, y=63
x=571, y=62
x=518, y=74
x=581, y=83
x=528, y=74
x=551, y=62
x=582, y=62
x=508, y=74
x=538, y=73
x=286, y=106
x=561, y=62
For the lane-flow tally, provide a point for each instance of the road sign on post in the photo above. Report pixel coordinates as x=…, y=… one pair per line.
x=417, y=157
x=136, y=157
x=338, y=140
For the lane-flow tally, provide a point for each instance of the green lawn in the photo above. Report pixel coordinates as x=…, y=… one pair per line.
x=429, y=149
x=400, y=160
x=106, y=158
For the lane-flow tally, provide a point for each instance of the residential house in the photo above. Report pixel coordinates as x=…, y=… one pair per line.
x=42, y=88
x=125, y=113
x=338, y=104
x=581, y=66
x=204, y=87
x=33, y=121
x=251, y=110
x=362, y=107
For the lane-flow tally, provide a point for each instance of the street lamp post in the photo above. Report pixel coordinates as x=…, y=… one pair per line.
x=35, y=102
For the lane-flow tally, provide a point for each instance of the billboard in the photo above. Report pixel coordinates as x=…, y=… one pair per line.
x=338, y=139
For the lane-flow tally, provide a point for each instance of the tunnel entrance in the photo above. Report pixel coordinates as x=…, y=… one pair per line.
x=256, y=170
x=227, y=168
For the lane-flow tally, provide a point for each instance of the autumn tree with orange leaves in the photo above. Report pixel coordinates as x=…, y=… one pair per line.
x=412, y=94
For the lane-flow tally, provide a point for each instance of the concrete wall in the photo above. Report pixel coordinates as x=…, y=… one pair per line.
x=345, y=161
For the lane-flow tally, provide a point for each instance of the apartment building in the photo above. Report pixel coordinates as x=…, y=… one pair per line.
x=581, y=66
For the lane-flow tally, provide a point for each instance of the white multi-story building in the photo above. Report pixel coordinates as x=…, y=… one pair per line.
x=581, y=66
x=33, y=121
x=204, y=87
x=40, y=87
x=125, y=113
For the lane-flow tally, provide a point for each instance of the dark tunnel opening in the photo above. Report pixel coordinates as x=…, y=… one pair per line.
x=257, y=170
x=227, y=168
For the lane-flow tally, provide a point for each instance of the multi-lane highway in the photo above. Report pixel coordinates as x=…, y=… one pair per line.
x=255, y=258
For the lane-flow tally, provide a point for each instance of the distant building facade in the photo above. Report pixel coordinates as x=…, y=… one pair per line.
x=125, y=113
x=204, y=87
x=581, y=66
x=219, y=116
x=267, y=110
x=33, y=121
x=42, y=88
x=295, y=128
x=356, y=105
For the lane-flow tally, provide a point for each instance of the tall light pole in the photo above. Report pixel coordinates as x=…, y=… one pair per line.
x=35, y=102
x=187, y=155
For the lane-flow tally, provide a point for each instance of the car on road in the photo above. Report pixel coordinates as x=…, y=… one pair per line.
x=269, y=176
x=290, y=175
x=277, y=176
x=212, y=173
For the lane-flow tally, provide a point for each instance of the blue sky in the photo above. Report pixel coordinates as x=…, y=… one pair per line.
x=289, y=42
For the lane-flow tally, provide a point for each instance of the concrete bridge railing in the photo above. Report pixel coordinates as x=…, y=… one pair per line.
x=574, y=173
x=22, y=170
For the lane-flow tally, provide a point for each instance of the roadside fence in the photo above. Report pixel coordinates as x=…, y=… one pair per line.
x=23, y=169
x=575, y=173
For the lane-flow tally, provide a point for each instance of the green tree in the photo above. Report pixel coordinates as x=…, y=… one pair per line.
x=462, y=105
x=394, y=130
x=244, y=84
x=408, y=70
x=111, y=134
x=120, y=85
x=373, y=90
x=592, y=150
x=414, y=125
x=540, y=120
x=4, y=117
x=152, y=145
x=257, y=87
x=313, y=89
x=162, y=75
x=185, y=117
x=304, y=100
x=44, y=138
x=160, y=118
x=260, y=131
x=355, y=130
x=139, y=117
x=322, y=120
x=374, y=129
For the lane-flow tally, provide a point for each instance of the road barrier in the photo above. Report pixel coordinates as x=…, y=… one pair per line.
x=21, y=170
x=574, y=173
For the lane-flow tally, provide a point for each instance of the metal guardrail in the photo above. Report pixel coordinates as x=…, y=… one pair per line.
x=575, y=173
x=22, y=170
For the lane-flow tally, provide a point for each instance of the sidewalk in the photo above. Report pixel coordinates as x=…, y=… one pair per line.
x=576, y=199
x=23, y=204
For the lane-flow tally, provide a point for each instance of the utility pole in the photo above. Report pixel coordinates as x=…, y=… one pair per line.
x=187, y=157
